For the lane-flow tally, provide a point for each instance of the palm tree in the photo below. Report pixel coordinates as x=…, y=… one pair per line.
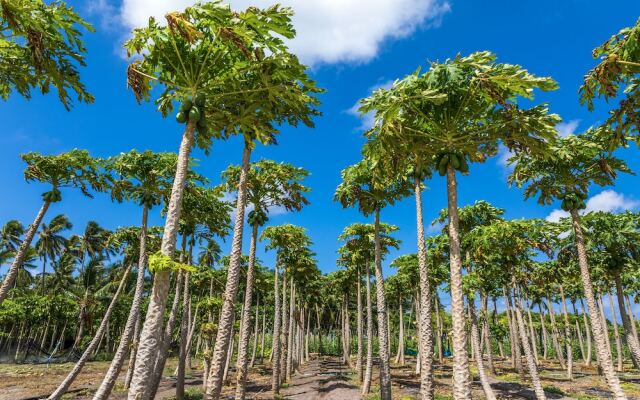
x=50, y=242
x=44, y=45
x=459, y=111
x=362, y=187
x=75, y=169
x=11, y=235
x=219, y=42
x=570, y=165
x=269, y=185
x=146, y=179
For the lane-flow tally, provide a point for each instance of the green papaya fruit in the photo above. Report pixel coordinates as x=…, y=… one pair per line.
x=564, y=206
x=444, y=161
x=200, y=99
x=464, y=165
x=582, y=195
x=455, y=161
x=442, y=169
x=181, y=117
x=194, y=114
x=186, y=105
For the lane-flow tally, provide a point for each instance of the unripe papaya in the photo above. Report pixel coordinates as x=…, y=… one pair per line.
x=442, y=169
x=194, y=114
x=455, y=162
x=444, y=161
x=181, y=117
x=464, y=166
x=200, y=99
x=186, y=105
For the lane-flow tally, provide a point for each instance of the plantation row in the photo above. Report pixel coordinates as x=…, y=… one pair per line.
x=140, y=294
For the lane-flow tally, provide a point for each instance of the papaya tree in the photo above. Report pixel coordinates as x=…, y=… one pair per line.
x=616, y=77
x=461, y=110
x=212, y=60
x=42, y=48
x=364, y=187
x=74, y=169
x=145, y=178
x=269, y=185
x=565, y=172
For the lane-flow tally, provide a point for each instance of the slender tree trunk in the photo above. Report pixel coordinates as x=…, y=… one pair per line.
x=425, y=330
x=587, y=330
x=555, y=334
x=604, y=356
x=290, y=336
x=545, y=338
x=359, y=364
x=132, y=355
x=243, y=341
x=440, y=330
x=532, y=331
x=632, y=318
x=514, y=327
x=531, y=362
x=21, y=254
x=487, y=333
x=475, y=341
x=225, y=325
x=64, y=385
x=400, y=354
x=383, y=338
x=184, y=333
x=285, y=327
x=579, y=332
x=256, y=323
x=366, y=385
x=275, y=346
x=262, y=334
x=151, y=334
x=629, y=335
x=567, y=335
x=461, y=377
x=616, y=333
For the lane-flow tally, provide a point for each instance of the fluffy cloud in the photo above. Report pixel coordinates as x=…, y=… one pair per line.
x=567, y=128
x=608, y=200
x=329, y=31
x=368, y=119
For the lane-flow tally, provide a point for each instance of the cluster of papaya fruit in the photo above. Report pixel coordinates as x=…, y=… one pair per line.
x=52, y=196
x=458, y=161
x=192, y=110
x=573, y=201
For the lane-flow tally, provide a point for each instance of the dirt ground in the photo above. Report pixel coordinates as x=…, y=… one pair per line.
x=322, y=378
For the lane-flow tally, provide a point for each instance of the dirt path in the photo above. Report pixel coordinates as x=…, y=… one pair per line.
x=322, y=378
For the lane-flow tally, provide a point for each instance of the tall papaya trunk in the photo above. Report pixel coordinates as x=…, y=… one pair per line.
x=515, y=335
x=616, y=333
x=526, y=345
x=579, y=332
x=587, y=331
x=632, y=318
x=383, y=327
x=275, y=346
x=184, y=333
x=151, y=334
x=400, y=353
x=126, y=339
x=359, y=364
x=534, y=345
x=225, y=325
x=630, y=338
x=425, y=330
x=477, y=349
x=366, y=385
x=545, y=338
x=555, y=334
x=256, y=324
x=461, y=376
x=604, y=356
x=291, y=326
x=567, y=336
x=285, y=327
x=243, y=341
x=64, y=385
x=21, y=254
x=487, y=333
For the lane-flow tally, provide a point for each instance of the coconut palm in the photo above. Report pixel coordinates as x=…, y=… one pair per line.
x=616, y=76
x=570, y=165
x=50, y=242
x=362, y=187
x=269, y=185
x=42, y=47
x=11, y=235
x=74, y=169
x=461, y=110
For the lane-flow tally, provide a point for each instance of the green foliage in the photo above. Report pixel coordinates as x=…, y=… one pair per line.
x=76, y=169
x=40, y=47
x=159, y=262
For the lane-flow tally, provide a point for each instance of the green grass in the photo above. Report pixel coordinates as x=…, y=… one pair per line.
x=442, y=397
x=191, y=394
x=553, y=389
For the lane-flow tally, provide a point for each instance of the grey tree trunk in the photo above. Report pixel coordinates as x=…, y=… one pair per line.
x=243, y=341
x=555, y=334
x=184, y=333
x=383, y=329
x=359, y=363
x=461, y=376
x=545, y=338
x=225, y=324
x=425, y=331
x=21, y=254
x=400, y=353
x=285, y=327
x=109, y=380
x=151, y=334
x=604, y=356
x=477, y=348
x=616, y=333
x=291, y=326
x=256, y=323
x=366, y=385
x=567, y=335
x=275, y=346
x=487, y=333
x=630, y=337
x=73, y=374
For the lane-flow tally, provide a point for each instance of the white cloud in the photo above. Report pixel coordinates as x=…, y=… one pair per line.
x=367, y=120
x=608, y=200
x=329, y=31
x=567, y=128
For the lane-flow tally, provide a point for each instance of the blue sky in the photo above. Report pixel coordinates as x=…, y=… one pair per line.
x=352, y=47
